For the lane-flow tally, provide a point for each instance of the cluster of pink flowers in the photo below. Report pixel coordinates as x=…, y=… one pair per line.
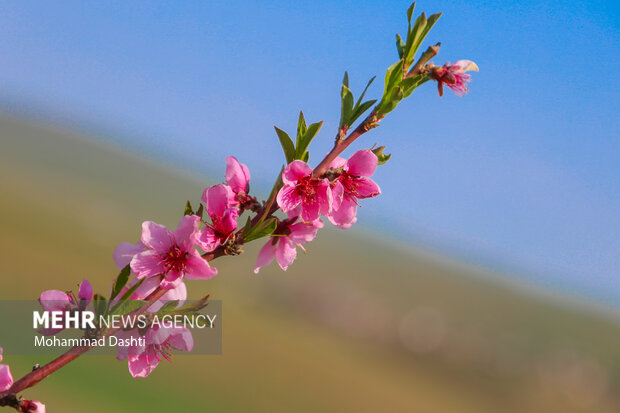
x=163, y=258
x=305, y=198
x=172, y=256
x=6, y=381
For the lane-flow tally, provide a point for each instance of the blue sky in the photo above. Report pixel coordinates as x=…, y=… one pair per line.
x=522, y=174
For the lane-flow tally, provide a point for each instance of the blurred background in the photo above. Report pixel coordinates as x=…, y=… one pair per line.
x=485, y=277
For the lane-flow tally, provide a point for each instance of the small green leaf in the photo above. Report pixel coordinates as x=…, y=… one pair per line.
x=411, y=83
x=128, y=306
x=410, y=12
x=393, y=75
x=346, y=106
x=200, y=211
x=188, y=209
x=312, y=131
x=381, y=157
x=345, y=80
x=100, y=303
x=247, y=228
x=306, y=156
x=414, y=39
x=287, y=145
x=131, y=290
x=301, y=127
x=387, y=105
x=359, y=111
x=170, y=305
x=261, y=229
x=120, y=282
x=400, y=46
x=364, y=92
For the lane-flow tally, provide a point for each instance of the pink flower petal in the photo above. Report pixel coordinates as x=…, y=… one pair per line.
x=324, y=197
x=217, y=199
x=182, y=339
x=337, y=193
x=362, y=163
x=197, y=268
x=142, y=365
x=6, y=380
x=207, y=239
x=237, y=175
x=338, y=163
x=228, y=223
x=186, y=230
x=86, y=291
x=310, y=211
x=465, y=66
x=156, y=237
x=302, y=232
x=366, y=188
x=286, y=252
x=147, y=264
x=288, y=198
x=54, y=300
x=124, y=252
x=294, y=171
x=344, y=216
x=266, y=254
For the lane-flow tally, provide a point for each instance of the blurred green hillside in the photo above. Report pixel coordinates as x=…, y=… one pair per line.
x=359, y=324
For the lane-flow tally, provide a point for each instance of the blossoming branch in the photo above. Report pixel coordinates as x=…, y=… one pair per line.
x=153, y=268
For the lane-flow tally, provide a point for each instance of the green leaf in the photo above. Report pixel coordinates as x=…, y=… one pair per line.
x=387, y=105
x=410, y=12
x=100, y=303
x=345, y=80
x=128, y=306
x=361, y=109
x=247, y=227
x=200, y=211
x=261, y=229
x=306, y=156
x=381, y=157
x=364, y=92
x=287, y=145
x=346, y=106
x=121, y=281
x=188, y=209
x=170, y=305
x=312, y=131
x=400, y=46
x=393, y=75
x=411, y=83
x=131, y=290
x=414, y=38
x=301, y=127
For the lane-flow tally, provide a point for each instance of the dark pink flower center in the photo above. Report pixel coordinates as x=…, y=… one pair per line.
x=175, y=259
x=306, y=189
x=350, y=183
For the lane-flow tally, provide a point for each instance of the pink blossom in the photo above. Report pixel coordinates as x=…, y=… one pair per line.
x=58, y=301
x=454, y=76
x=6, y=380
x=124, y=252
x=171, y=254
x=32, y=406
x=159, y=343
x=351, y=184
x=312, y=196
x=238, y=179
x=283, y=245
x=223, y=216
